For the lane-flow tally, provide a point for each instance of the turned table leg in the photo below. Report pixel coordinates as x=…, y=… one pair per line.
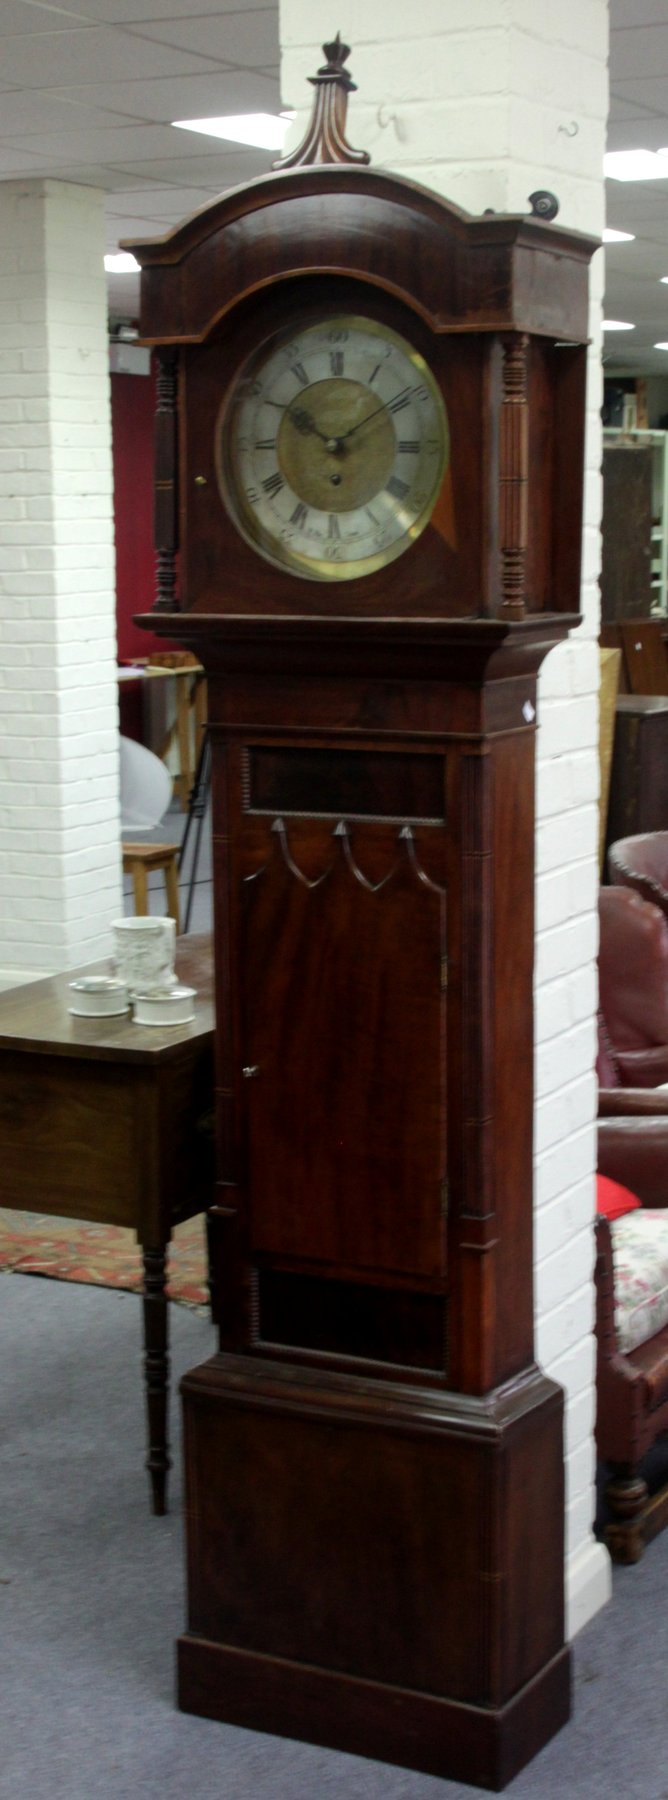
x=156, y=1365
x=625, y=1535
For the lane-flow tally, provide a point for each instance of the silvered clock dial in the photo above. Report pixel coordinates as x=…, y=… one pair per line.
x=332, y=447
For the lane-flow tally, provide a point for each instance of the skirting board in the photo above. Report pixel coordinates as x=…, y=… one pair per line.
x=588, y=1578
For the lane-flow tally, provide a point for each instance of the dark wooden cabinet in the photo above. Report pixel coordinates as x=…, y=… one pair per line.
x=373, y=1460
x=626, y=571
x=639, y=773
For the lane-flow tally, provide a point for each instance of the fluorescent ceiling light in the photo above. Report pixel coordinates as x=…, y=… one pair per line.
x=661, y=346
x=617, y=325
x=265, y=131
x=122, y=263
x=610, y=236
x=636, y=165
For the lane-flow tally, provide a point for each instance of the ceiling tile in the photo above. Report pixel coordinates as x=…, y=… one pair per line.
x=641, y=200
x=631, y=13
x=185, y=97
x=244, y=38
x=643, y=51
x=18, y=16
x=132, y=12
x=126, y=143
x=36, y=110
x=646, y=131
x=649, y=93
x=215, y=172
x=52, y=58
x=14, y=161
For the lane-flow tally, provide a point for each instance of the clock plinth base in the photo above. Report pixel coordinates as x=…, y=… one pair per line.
x=375, y=1567
x=484, y=1746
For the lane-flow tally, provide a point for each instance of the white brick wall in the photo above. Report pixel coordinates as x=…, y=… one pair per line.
x=485, y=104
x=59, y=822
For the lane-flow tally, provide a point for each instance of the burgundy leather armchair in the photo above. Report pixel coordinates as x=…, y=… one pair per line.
x=641, y=863
x=633, y=991
x=631, y=1385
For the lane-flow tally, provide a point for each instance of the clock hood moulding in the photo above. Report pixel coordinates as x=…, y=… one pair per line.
x=499, y=272
x=262, y=308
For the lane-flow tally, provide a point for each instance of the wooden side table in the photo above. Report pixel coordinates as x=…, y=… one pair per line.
x=105, y=1120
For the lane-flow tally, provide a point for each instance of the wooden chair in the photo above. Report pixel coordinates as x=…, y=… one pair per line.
x=139, y=860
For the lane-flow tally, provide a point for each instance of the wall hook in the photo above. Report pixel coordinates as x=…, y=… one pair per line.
x=386, y=118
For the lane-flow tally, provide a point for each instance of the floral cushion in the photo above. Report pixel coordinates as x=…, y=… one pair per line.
x=640, y=1252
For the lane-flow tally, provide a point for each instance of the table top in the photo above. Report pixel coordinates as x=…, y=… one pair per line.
x=35, y=1016
x=141, y=671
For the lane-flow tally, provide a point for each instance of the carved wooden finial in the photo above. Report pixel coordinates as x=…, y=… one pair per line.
x=325, y=140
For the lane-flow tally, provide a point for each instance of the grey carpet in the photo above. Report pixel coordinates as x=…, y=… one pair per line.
x=92, y=1599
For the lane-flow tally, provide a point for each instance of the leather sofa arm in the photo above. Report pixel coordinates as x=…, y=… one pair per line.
x=643, y=1068
x=632, y=1102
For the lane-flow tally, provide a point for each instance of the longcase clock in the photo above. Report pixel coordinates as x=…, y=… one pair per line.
x=368, y=519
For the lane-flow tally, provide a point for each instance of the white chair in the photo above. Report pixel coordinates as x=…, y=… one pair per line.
x=146, y=791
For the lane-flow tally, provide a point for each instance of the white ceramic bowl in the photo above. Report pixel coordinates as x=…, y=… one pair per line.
x=175, y=1008
x=98, y=997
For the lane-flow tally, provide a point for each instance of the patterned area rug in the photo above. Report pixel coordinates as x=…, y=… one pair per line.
x=101, y=1255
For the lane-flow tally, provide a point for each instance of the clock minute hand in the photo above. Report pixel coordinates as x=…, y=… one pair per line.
x=391, y=406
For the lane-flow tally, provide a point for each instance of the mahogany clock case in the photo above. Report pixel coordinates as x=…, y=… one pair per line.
x=374, y=1463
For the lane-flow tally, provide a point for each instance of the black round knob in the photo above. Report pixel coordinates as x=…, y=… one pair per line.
x=544, y=205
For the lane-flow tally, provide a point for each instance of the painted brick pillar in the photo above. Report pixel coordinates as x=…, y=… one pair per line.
x=486, y=104
x=59, y=815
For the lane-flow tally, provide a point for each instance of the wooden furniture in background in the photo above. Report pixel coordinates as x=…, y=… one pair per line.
x=141, y=860
x=374, y=1462
x=609, y=662
x=644, y=649
x=626, y=572
x=644, y=664
x=186, y=732
x=652, y=444
x=191, y=711
x=109, y=1121
x=638, y=799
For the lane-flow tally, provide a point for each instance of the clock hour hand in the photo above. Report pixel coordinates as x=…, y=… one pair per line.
x=308, y=428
